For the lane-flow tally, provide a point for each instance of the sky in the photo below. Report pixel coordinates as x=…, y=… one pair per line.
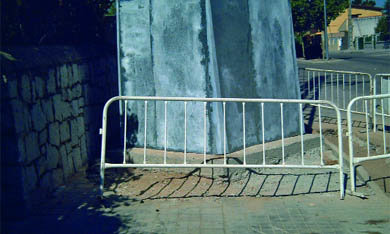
x=380, y=3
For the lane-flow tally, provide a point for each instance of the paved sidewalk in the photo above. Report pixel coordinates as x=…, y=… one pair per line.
x=77, y=210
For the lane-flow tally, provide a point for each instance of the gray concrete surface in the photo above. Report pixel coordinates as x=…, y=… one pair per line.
x=202, y=48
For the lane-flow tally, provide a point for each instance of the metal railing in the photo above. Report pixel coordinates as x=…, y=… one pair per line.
x=369, y=153
x=381, y=83
x=144, y=101
x=339, y=87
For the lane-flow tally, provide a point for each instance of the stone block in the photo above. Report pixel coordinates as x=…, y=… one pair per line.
x=58, y=177
x=81, y=102
x=12, y=88
x=52, y=157
x=67, y=165
x=46, y=181
x=83, y=148
x=64, y=132
x=43, y=136
x=41, y=165
x=63, y=153
x=43, y=149
x=32, y=147
x=54, y=134
x=47, y=107
x=38, y=117
x=40, y=87
x=63, y=76
x=26, y=88
x=73, y=78
x=75, y=108
x=77, y=91
x=21, y=116
x=30, y=179
x=81, y=126
x=51, y=82
x=21, y=150
x=62, y=109
x=76, y=155
x=74, y=132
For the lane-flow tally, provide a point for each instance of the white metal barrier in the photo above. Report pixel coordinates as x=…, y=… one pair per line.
x=145, y=100
x=339, y=87
x=381, y=84
x=384, y=122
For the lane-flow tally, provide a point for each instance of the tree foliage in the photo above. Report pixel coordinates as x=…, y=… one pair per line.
x=52, y=21
x=308, y=15
x=383, y=26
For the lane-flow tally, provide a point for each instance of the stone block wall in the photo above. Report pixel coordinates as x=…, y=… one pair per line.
x=51, y=113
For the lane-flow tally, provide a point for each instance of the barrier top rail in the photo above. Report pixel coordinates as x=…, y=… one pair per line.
x=346, y=72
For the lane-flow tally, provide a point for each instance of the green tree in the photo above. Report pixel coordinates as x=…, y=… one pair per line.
x=52, y=21
x=383, y=26
x=308, y=16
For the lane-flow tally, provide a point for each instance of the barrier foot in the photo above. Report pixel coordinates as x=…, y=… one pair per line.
x=356, y=194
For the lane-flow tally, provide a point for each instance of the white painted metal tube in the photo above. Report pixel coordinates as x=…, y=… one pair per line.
x=321, y=143
x=165, y=132
x=343, y=91
x=204, y=132
x=331, y=90
x=243, y=131
x=367, y=129
x=282, y=130
x=314, y=85
x=383, y=127
x=224, y=133
x=326, y=84
x=262, y=130
x=363, y=159
x=125, y=131
x=319, y=85
x=111, y=165
x=146, y=126
x=301, y=122
x=185, y=132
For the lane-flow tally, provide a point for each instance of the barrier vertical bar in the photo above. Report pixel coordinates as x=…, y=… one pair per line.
x=367, y=129
x=262, y=130
x=146, y=125
x=350, y=143
x=224, y=133
x=356, y=90
x=282, y=129
x=301, y=128
x=185, y=132
x=204, y=131
x=314, y=85
x=325, y=84
x=383, y=127
x=165, y=132
x=319, y=85
x=321, y=143
x=363, y=80
x=308, y=83
x=331, y=90
x=350, y=88
x=337, y=90
x=125, y=132
x=243, y=130
x=343, y=91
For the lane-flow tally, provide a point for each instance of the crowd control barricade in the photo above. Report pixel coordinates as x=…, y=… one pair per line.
x=381, y=135
x=381, y=84
x=184, y=102
x=339, y=87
